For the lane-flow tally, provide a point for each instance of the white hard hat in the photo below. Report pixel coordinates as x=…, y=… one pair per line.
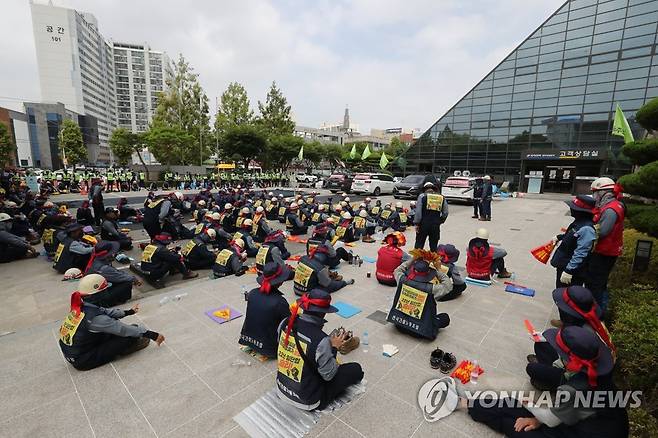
x=228, y=206
x=603, y=183
x=245, y=210
x=347, y=215
x=72, y=273
x=363, y=213
x=412, y=203
x=398, y=205
x=208, y=214
x=4, y=217
x=362, y=205
x=482, y=233
x=274, y=199
x=216, y=216
x=247, y=223
x=331, y=220
x=211, y=233
x=301, y=201
x=201, y=203
x=429, y=184
x=239, y=242
x=259, y=209
x=487, y=177
x=178, y=196
x=347, y=199
x=321, y=207
x=92, y=283
x=338, y=207
x=270, y=194
x=10, y=204
x=48, y=204
x=294, y=205
x=343, y=204
x=280, y=195
x=368, y=199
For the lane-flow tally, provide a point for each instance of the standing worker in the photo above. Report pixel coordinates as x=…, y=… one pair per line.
x=431, y=212
x=477, y=198
x=485, y=200
x=609, y=224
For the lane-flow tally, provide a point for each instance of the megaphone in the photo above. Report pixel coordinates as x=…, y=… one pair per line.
x=466, y=173
x=457, y=173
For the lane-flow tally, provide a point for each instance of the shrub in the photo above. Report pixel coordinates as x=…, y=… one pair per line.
x=643, y=182
x=642, y=424
x=647, y=116
x=642, y=152
x=621, y=276
x=643, y=218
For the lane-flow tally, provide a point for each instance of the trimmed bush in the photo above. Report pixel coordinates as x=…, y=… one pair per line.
x=642, y=424
x=642, y=152
x=643, y=218
x=621, y=276
x=635, y=333
x=644, y=182
x=647, y=116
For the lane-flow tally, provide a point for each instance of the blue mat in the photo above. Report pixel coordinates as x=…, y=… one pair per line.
x=346, y=310
x=520, y=290
x=368, y=259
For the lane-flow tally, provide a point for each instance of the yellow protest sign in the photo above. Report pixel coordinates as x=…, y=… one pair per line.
x=148, y=253
x=411, y=301
x=303, y=274
x=434, y=201
x=261, y=256
x=223, y=257
x=188, y=248
x=289, y=361
x=69, y=327
x=58, y=253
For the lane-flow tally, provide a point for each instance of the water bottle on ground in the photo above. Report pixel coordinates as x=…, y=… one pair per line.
x=475, y=372
x=180, y=296
x=241, y=363
x=365, y=342
x=245, y=293
x=164, y=300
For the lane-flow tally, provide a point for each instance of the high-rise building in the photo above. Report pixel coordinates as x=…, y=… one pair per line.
x=542, y=118
x=139, y=77
x=76, y=66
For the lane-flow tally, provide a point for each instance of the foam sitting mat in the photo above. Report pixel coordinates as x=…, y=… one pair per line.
x=271, y=417
x=254, y=354
x=474, y=282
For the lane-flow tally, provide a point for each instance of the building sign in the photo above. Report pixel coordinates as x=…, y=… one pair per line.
x=567, y=154
x=56, y=31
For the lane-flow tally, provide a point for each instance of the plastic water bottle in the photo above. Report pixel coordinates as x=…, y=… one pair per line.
x=180, y=296
x=365, y=342
x=475, y=373
x=164, y=300
x=241, y=363
x=245, y=293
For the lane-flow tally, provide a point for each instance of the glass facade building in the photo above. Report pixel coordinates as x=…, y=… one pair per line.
x=545, y=113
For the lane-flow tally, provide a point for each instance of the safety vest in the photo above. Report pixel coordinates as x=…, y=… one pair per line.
x=414, y=308
x=306, y=275
x=478, y=261
x=388, y=259
x=75, y=338
x=613, y=243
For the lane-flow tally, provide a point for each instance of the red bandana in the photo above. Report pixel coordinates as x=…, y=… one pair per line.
x=576, y=364
x=591, y=318
x=304, y=302
x=266, y=287
x=94, y=254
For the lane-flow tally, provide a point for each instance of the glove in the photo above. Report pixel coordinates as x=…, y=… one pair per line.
x=565, y=278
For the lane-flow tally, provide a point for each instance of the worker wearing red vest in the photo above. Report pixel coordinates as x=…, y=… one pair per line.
x=609, y=216
x=483, y=260
x=389, y=257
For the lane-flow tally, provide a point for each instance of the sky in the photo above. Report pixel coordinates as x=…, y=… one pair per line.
x=395, y=63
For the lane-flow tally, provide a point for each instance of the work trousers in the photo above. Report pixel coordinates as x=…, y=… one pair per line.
x=152, y=228
x=157, y=274
x=543, y=372
x=576, y=280
x=347, y=375
x=485, y=208
x=299, y=231
x=341, y=254
x=10, y=253
x=118, y=293
x=104, y=353
x=596, y=280
x=99, y=211
x=431, y=231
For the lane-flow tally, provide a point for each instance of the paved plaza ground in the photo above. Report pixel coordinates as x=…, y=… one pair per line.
x=189, y=387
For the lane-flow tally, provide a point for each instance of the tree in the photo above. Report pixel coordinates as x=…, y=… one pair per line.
x=396, y=148
x=168, y=143
x=275, y=113
x=71, y=146
x=7, y=147
x=332, y=152
x=233, y=108
x=184, y=104
x=124, y=143
x=283, y=149
x=244, y=143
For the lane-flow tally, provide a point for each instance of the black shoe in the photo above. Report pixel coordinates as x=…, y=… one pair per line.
x=448, y=362
x=532, y=358
x=435, y=358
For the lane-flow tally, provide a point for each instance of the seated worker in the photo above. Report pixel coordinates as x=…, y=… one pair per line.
x=245, y=213
x=266, y=308
x=110, y=229
x=414, y=309
x=230, y=261
x=449, y=256
x=294, y=224
x=244, y=233
x=577, y=307
x=228, y=218
x=282, y=213
x=411, y=214
x=589, y=365
x=272, y=250
x=389, y=257
x=83, y=215
x=158, y=260
x=13, y=247
x=128, y=213
x=345, y=229
x=120, y=282
x=313, y=272
x=483, y=260
x=364, y=227
x=398, y=220
x=571, y=256
x=272, y=209
x=376, y=209
x=336, y=213
x=91, y=336
x=195, y=252
x=173, y=224
x=319, y=215
x=309, y=376
x=334, y=253
x=200, y=212
x=72, y=251
x=260, y=228
x=156, y=210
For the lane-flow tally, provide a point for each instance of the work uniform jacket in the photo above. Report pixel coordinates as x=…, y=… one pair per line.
x=71, y=253
x=196, y=253
x=156, y=256
x=307, y=275
x=575, y=247
x=262, y=318
x=227, y=262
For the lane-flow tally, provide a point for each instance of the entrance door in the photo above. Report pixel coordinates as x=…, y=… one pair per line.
x=559, y=179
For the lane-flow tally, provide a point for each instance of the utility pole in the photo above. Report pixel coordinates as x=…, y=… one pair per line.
x=216, y=133
x=200, y=130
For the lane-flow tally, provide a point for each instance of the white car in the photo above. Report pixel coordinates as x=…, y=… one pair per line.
x=306, y=178
x=373, y=183
x=458, y=188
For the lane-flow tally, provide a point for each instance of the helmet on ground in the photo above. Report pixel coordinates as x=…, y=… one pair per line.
x=603, y=183
x=482, y=233
x=72, y=274
x=92, y=283
x=4, y=217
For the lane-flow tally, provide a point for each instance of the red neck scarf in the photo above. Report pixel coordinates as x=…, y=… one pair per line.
x=320, y=249
x=576, y=364
x=266, y=287
x=591, y=319
x=304, y=302
x=93, y=257
x=274, y=236
x=76, y=303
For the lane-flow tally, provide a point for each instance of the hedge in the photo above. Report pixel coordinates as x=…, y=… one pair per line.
x=643, y=218
x=647, y=116
x=644, y=182
x=622, y=277
x=641, y=152
x=642, y=424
